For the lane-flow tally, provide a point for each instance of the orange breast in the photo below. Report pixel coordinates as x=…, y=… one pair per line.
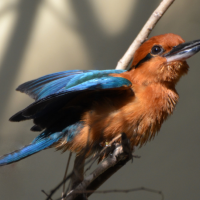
x=140, y=116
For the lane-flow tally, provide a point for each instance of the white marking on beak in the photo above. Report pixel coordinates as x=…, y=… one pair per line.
x=181, y=56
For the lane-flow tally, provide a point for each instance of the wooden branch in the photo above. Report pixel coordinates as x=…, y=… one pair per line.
x=65, y=175
x=119, y=155
x=124, y=156
x=106, y=149
x=124, y=191
x=144, y=33
x=78, y=169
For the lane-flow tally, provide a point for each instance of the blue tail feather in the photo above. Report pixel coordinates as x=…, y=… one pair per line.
x=30, y=149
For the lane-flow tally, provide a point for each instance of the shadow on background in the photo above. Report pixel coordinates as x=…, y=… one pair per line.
x=16, y=48
x=167, y=163
x=92, y=33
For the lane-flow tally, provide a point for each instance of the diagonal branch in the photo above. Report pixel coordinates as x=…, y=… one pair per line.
x=144, y=33
x=103, y=171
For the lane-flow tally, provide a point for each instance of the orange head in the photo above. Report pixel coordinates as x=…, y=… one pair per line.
x=162, y=59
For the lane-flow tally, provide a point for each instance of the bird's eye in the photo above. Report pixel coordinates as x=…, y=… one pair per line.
x=156, y=50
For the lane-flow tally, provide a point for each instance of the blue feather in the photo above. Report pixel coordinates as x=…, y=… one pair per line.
x=41, y=142
x=93, y=74
x=51, y=101
x=49, y=84
x=34, y=147
x=32, y=88
x=54, y=91
x=72, y=130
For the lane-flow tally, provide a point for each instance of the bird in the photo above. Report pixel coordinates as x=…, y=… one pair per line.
x=76, y=109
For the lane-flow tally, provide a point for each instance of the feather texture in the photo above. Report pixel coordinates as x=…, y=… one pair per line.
x=52, y=83
x=34, y=147
x=55, y=94
x=80, y=109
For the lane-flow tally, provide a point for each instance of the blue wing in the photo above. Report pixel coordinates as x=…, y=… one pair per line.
x=61, y=98
x=53, y=83
x=53, y=93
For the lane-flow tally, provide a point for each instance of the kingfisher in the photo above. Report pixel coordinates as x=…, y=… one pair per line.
x=77, y=109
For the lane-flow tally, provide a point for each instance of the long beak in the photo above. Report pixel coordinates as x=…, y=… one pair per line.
x=183, y=51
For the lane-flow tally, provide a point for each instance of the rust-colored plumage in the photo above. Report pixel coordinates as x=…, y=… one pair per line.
x=78, y=109
x=140, y=111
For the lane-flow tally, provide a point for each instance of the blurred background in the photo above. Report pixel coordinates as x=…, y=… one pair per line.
x=45, y=36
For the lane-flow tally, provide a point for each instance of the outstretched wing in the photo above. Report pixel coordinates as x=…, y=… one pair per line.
x=48, y=84
x=55, y=91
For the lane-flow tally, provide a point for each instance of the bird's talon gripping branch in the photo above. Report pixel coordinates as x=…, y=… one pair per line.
x=79, y=109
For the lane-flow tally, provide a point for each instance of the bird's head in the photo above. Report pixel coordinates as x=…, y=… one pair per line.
x=163, y=59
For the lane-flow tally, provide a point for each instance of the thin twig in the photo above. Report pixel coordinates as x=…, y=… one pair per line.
x=45, y=194
x=58, y=186
x=69, y=176
x=122, y=191
x=69, y=158
x=144, y=33
x=78, y=170
x=111, y=161
x=79, y=164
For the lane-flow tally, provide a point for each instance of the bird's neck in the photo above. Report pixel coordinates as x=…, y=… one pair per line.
x=154, y=94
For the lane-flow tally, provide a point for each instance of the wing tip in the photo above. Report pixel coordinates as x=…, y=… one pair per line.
x=36, y=128
x=17, y=117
